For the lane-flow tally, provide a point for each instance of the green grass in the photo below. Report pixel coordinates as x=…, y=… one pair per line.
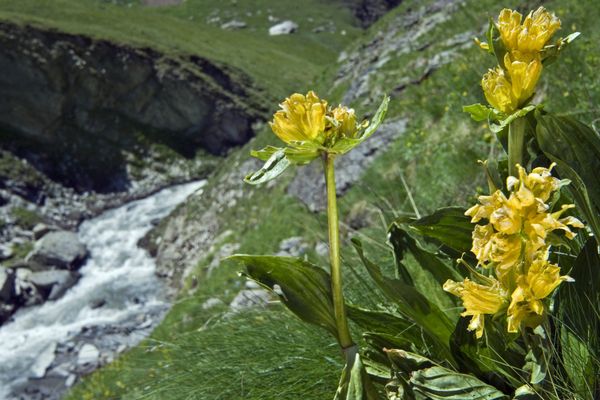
x=197, y=353
x=278, y=64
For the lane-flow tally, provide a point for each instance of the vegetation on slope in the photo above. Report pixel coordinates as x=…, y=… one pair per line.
x=198, y=353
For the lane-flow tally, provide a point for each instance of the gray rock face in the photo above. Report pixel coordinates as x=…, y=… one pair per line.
x=309, y=186
x=294, y=246
x=60, y=249
x=54, y=283
x=283, y=28
x=79, y=102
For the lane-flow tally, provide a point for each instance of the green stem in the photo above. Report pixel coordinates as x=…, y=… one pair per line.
x=516, y=144
x=334, y=258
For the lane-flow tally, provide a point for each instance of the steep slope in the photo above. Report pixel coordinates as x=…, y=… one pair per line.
x=422, y=158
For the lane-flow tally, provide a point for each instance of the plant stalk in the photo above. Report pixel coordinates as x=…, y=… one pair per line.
x=516, y=145
x=339, y=310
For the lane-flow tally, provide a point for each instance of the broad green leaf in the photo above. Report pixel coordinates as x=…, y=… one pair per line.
x=439, y=383
x=448, y=226
x=344, y=145
x=402, y=243
x=480, y=112
x=575, y=148
x=579, y=364
x=304, y=288
x=381, y=321
x=412, y=304
x=579, y=301
x=274, y=166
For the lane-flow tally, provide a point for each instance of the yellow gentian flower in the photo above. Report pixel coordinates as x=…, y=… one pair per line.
x=498, y=91
x=478, y=300
x=532, y=35
x=527, y=307
x=537, y=29
x=301, y=118
x=343, y=121
x=524, y=74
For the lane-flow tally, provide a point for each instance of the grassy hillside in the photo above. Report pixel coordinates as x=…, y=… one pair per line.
x=212, y=354
x=278, y=64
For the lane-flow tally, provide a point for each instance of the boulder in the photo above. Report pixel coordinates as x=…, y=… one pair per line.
x=88, y=354
x=54, y=283
x=61, y=249
x=233, y=25
x=43, y=361
x=283, y=28
x=40, y=230
x=7, y=285
x=249, y=298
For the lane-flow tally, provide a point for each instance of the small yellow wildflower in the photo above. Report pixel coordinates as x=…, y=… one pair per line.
x=524, y=74
x=498, y=90
x=343, y=121
x=478, y=300
x=301, y=118
x=532, y=35
x=526, y=308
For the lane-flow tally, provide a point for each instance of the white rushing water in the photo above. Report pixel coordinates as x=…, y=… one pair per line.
x=118, y=273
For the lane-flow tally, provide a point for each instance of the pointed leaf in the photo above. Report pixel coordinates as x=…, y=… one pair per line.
x=439, y=383
x=344, y=145
x=303, y=287
x=274, y=166
x=448, y=226
x=412, y=304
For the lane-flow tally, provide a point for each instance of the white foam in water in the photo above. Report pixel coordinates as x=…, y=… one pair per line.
x=117, y=271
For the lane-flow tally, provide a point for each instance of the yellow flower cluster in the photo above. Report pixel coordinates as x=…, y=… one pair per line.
x=514, y=245
x=509, y=86
x=307, y=118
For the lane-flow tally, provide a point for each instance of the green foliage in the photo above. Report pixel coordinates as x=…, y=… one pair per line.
x=25, y=217
x=303, y=287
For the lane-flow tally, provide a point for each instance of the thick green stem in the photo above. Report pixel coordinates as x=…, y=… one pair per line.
x=516, y=144
x=334, y=258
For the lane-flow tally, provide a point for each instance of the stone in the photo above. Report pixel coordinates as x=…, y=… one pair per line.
x=54, y=283
x=294, y=246
x=249, y=298
x=43, y=361
x=211, y=303
x=234, y=25
x=88, y=354
x=283, y=28
x=61, y=249
x=6, y=252
x=70, y=380
x=322, y=249
x=7, y=284
x=40, y=230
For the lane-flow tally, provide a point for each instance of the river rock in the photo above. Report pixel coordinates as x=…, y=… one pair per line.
x=283, y=28
x=234, y=25
x=88, y=354
x=60, y=249
x=43, y=361
x=54, y=283
x=250, y=298
x=40, y=230
x=7, y=284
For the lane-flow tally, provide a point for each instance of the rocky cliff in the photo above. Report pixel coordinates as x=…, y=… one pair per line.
x=79, y=109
